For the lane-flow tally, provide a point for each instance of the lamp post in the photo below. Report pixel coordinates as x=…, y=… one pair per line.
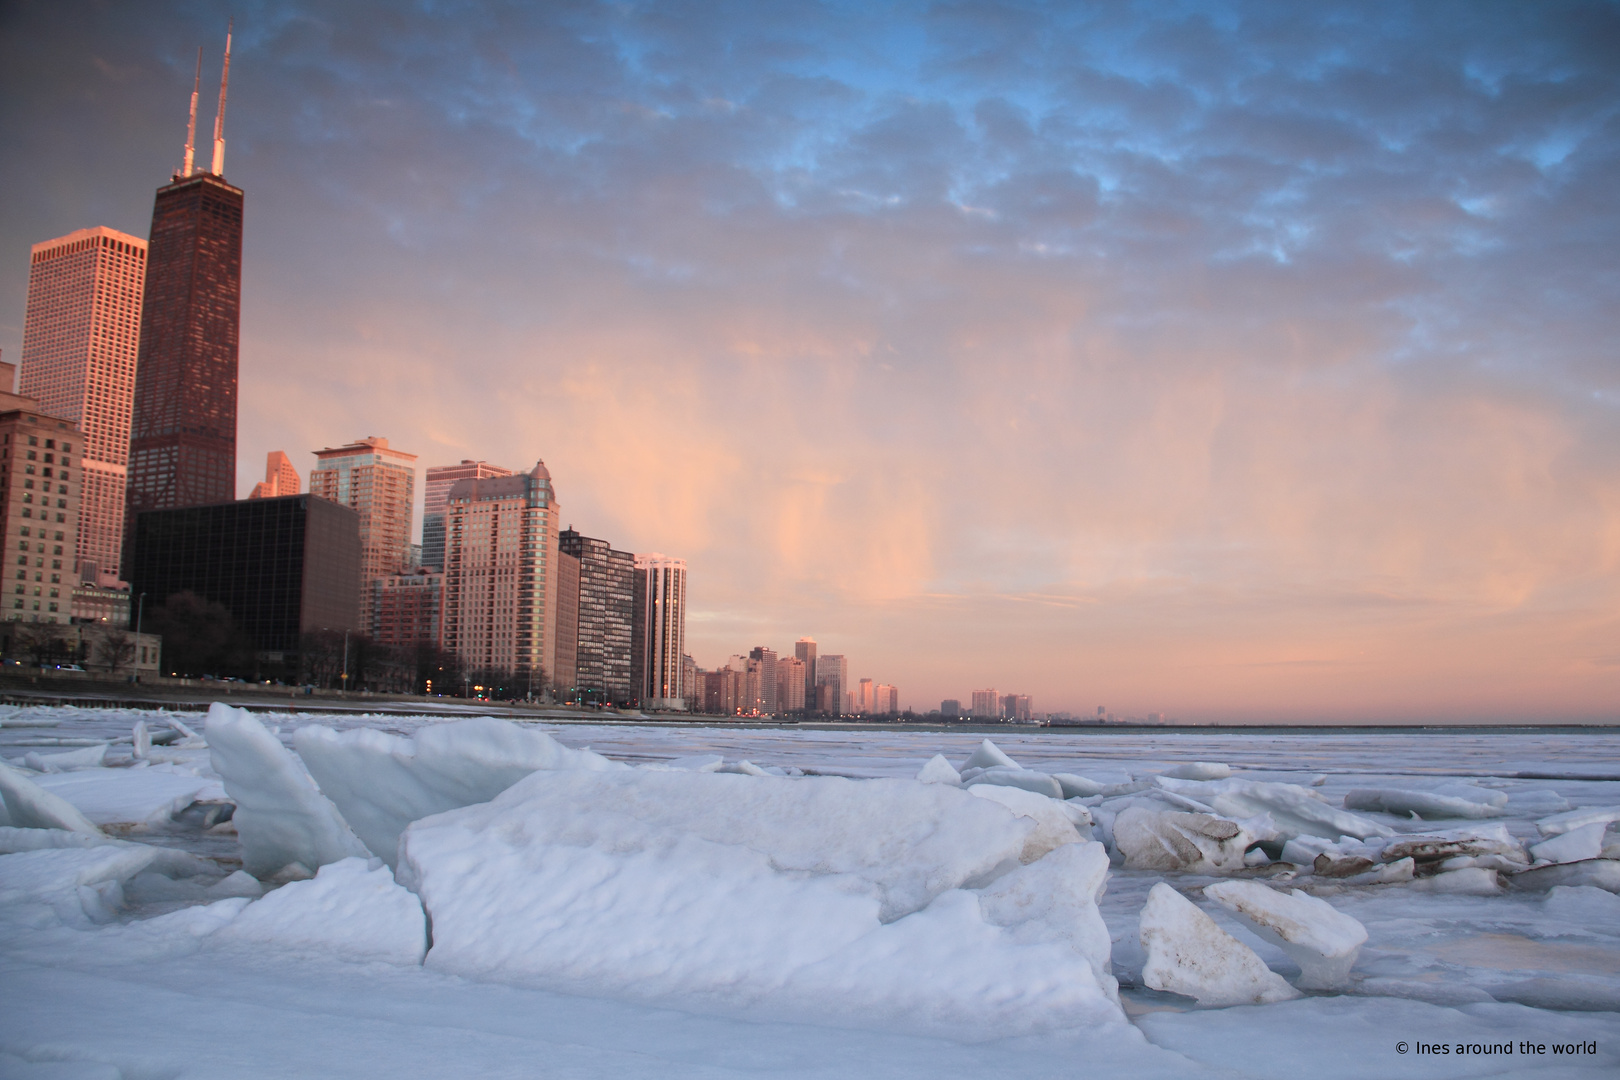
x=140, y=612
x=343, y=680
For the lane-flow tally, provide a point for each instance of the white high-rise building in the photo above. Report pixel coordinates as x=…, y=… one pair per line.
x=660, y=632
x=80, y=340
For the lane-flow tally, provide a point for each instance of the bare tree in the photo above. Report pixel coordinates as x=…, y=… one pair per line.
x=115, y=647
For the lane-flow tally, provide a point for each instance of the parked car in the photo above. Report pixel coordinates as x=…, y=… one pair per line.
x=68, y=667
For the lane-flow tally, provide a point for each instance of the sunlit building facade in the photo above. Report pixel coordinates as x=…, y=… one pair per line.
x=659, y=631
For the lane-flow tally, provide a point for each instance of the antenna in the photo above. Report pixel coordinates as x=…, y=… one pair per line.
x=219, y=117
x=191, y=124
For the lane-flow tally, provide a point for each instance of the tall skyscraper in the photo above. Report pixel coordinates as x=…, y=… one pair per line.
x=805, y=650
x=659, y=633
x=865, y=701
x=789, y=684
x=280, y=478
x=80, y=340
x=986, y=705
x=500, y=596
x=182, y=449
x=765, y=692
x=40, y=467
x=605, y=631
x=436, y=492
x=886, y=701
x=379, y=484
x=832, y=673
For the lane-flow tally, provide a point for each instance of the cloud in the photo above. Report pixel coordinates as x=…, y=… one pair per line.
x=1218, y=359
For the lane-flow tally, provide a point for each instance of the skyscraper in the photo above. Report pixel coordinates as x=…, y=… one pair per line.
x=182, y=449
x=80, y=340
x=832, y=672
x=805, y=649
x=659, y=633
x=605, y=631
x=379, y=484
x=765, y=692
x=436, y=490
x=500, y=596
x=280, y=478
x=789, y=684
x=986, y=705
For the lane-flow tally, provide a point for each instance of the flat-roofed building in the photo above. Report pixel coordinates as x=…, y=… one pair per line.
x=436, y=486
x=658, y=635
x=605, y=629
x=81, y=338
x=832, y=673
x=40, y=473
x=407, y=609
x=378, y=483
x=500, y=588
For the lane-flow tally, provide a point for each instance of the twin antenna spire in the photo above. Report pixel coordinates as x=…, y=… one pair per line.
x=189, y=168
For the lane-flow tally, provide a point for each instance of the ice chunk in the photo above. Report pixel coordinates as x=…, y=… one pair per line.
x=140, y=741
x=1054, y=821
x=29, y=806
x=1077, y=787
x=281, y=818
x=1424, y=804
x=129, y=796
x=1171, y=840
x=89, y=757
x=381, y=783
x=352, y=909
x=698, y=763
x=1576, y=845
x=1574, y=819
x=939, y=771
x=988, y=756
x=70, y=884
x=744, y=768
x=1322, y=940
x=1188, y=954
x=1471, y=840
x=1600, y=873
x=1029, y=780
x=794, y=898
x=1199, y=770
x=1472, y=881
x=1296, y=810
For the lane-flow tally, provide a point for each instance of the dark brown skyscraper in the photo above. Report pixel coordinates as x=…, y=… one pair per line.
x=183, y=432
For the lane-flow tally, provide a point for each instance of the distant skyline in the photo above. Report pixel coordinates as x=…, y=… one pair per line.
x=1222, y=361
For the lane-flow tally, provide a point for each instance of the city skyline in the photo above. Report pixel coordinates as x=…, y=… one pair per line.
x=1271, y=377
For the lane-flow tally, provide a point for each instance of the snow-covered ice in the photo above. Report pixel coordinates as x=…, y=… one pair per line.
x=1188, y=954
x=1322, y=940
x=1464, y=939
x=29, y=806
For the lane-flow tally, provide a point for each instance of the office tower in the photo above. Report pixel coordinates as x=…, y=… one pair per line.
x=950, y=709
x=765, y=686
x=377, y=483
x=182, y=448
x=659, y=631
x=804, y=650
x=831, y=674
x=1016, y=707
x=40, y=471
x=565, y=678
x=282, y=567
x=864, y=701
x=80, y=340
x=986, y=705
x=789, y=684
x=886, y=700
x=689, y=672
x=280, y=478
x=436, y=493
x=500, y=596
x=407, y=609
x=606, y=624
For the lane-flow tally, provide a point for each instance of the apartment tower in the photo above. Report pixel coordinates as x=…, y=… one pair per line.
x=659, y=632
x=436, y=491
x=81, y=337
x=604, y=637
x=804, y=650
x=379, y=484
x=182, y=447
x=280, y=478
x=500, y=595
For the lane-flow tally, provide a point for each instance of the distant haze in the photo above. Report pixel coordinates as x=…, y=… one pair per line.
x=1224, y=361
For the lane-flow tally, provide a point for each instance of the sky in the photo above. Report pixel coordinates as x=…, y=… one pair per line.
x=1229, y=361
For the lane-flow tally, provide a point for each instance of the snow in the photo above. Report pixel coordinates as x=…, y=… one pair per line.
x=88, y=757
x=381, y=783
x=1188, y=954
x=819, y=896
x=30, y=806
x=119, y=796
x=1199, y=770
x=1323, y=941
x=282, y=820
x=140, y=951
x=1056, y=823
x=351, y=909
x=1559, y=824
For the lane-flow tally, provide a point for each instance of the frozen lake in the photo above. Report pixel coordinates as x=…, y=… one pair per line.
x=1536, y=965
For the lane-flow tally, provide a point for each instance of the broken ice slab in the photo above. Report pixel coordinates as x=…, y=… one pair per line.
x=1188, y=954
x=1321, y=939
